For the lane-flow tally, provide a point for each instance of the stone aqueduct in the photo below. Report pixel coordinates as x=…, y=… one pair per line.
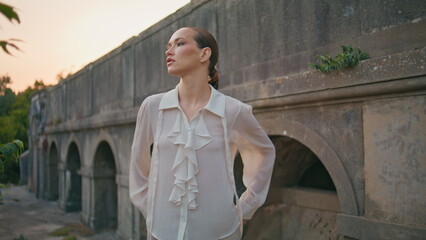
x=351, y=154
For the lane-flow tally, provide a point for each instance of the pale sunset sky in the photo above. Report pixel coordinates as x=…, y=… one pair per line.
x=65, y=35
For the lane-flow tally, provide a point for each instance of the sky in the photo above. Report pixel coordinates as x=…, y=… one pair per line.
x=63, y=36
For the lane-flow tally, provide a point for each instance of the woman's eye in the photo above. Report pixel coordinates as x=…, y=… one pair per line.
x=180, y=43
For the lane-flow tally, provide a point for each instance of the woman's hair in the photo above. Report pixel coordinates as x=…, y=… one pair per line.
x=205, y=39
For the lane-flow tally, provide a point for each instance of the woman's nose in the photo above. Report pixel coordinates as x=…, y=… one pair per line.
x=168, y=52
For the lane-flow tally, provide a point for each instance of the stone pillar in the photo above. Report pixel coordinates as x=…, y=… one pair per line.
x=99, y=209
x=87, y=204
x=62, y=190
x=126, y=220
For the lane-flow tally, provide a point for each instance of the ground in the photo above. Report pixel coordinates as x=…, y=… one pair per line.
x=21, y=213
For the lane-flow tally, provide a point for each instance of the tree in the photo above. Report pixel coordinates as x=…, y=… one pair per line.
x=4, y=82
x=14, y=110
x=14, y=123
x=7, y=96
x=11, y=15
x=63, y=75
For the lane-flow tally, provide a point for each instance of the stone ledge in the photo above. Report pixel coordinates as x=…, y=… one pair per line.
x=311, y=198
x=403, y=72
x=368, y=229
x=414, y=86
x=124, y=117
x=398, y=66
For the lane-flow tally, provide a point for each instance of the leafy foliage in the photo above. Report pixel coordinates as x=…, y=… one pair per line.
x=14, y=110
x=4, y=81
x=14, y=123
x=62, y=75
x=61, y=232
x=349, y=58
x=21, y=237
x=69, y=238
x=9, y=166
x=4, y=44
x=10, y=13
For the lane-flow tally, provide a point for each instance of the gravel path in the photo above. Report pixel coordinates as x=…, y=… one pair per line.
x=22, y=213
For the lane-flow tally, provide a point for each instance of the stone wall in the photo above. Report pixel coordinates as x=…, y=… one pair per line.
x=360, y=130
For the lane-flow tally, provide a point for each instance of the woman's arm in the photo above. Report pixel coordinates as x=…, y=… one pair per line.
x=140, y=159
x=258, y=155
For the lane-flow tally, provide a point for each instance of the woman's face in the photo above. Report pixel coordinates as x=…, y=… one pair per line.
x=183, y=54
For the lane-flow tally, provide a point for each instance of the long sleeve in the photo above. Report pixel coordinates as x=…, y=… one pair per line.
x=140, y=159
x=258, y=155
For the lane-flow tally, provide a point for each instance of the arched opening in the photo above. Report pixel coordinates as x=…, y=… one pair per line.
x=53, y=174
x=72, y=180
x=302, y=202
x=105, y=189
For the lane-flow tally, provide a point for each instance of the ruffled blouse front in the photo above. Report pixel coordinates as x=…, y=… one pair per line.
x=185, y=188
x=185, y=166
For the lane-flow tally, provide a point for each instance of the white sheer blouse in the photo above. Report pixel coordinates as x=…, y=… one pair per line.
x=186, y=189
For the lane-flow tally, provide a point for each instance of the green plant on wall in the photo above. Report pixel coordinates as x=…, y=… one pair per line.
x=349, y=58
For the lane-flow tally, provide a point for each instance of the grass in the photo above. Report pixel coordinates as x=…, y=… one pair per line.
x=74, y=227
x=61, y=232
x=69, y=238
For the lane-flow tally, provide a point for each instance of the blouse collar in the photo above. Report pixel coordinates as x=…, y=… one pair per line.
x=216, y=103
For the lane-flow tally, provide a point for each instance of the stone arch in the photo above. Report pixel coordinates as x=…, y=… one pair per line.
x=330, y=160
x=297, y=166
x=72, y=181
x=302, y=202
x=105, y=137
x=105, y=188
x=53, y=173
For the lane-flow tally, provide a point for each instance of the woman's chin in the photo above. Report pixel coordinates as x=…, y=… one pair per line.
x=173, y=73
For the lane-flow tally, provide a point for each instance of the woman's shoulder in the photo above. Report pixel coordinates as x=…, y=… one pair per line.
x=234, y=108
x=155, y=98
x=151, y=102
x=236, y=105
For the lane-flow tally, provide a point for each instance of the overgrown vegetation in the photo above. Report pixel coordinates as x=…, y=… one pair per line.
x=74, y=227
x=69, y=238
x=61, y=232
x=9, y=165
x=14, y=123
x=349, y=58
x=21, y=237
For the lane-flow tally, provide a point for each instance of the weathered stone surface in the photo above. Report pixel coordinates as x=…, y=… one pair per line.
x=395, y=160
x=383, y=14
x=303, y=214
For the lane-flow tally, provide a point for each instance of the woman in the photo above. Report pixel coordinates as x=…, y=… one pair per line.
x=186, y=188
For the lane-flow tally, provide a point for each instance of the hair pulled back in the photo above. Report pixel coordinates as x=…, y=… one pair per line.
x=205, y=39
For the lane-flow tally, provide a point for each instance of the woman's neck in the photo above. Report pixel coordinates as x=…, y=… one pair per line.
x=194, y=94
x=194, y=89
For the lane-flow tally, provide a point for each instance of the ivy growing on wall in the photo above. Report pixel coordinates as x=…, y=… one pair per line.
x=349, y=58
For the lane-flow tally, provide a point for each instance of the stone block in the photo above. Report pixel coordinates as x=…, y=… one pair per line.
x=395, y=160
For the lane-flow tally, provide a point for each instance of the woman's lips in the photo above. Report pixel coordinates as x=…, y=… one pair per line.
x=169, y=61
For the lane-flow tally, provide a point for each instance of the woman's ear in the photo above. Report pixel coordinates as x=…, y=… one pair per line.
x=205, y=54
